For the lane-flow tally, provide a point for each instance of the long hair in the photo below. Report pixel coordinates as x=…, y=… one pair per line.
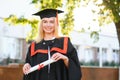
x=41, y=33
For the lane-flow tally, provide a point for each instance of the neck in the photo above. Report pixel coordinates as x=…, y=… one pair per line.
x=48, y=36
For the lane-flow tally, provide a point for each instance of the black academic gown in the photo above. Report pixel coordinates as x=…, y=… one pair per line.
x=38, y=52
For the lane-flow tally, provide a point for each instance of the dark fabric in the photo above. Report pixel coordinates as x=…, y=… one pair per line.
x=47, y=13
x=58, y=70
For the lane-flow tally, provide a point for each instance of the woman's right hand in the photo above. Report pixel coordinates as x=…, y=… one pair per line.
x=26, y=68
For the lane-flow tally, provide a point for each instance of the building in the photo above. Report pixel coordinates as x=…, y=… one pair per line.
x=13, y=45
x=106, y=50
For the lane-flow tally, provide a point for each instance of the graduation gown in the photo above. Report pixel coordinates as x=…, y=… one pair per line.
x=38, y=52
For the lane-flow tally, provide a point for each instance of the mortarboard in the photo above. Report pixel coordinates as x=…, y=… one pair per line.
x=47, y=13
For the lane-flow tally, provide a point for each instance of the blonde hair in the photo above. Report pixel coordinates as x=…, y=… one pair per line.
x=41, y=33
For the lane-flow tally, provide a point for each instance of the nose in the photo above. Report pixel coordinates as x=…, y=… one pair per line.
x=48, y=24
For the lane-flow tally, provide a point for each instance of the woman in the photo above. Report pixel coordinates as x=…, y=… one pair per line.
x=50, y=45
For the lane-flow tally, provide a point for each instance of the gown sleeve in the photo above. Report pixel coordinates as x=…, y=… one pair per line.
x=27, y=77
x=28, y=56
x=74, y=69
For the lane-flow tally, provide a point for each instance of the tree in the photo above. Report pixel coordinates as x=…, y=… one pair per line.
x=109, y=10
x=66, y=23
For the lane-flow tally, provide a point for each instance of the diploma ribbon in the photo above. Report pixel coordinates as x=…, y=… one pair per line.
x=41, y=65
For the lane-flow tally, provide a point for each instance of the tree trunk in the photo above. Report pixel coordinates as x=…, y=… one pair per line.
x=118, y=31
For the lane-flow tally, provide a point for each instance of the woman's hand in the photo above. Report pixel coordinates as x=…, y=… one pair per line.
x=58, y=56
x=26, y=68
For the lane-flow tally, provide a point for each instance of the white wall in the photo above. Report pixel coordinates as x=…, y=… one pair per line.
x=11, y=40
x=104, y=40
x=14, y=31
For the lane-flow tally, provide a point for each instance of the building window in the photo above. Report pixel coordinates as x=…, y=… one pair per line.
x=91, y=57
x=11, y=49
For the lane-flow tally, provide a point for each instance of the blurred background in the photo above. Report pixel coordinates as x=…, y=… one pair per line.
x=92, y=25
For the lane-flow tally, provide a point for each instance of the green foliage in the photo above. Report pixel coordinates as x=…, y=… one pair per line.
x=13, y=20
x=112, y=64
x=66, y=23
x=111, y=8
x=108, y=10
x=96, y=63
x=95, y=36
x=90, y=63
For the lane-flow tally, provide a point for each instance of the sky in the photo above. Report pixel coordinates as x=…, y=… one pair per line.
x=82, y=16
x=84, y=19
x=17, y=7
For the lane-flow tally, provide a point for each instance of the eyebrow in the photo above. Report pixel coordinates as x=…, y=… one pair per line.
x=46, y=20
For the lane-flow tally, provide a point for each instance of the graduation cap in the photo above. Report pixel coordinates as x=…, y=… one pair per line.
x=47, y=13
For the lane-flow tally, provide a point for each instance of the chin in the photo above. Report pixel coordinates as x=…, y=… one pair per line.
x=48, y=32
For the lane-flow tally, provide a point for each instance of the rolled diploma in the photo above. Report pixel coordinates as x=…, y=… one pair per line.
x=43, y=63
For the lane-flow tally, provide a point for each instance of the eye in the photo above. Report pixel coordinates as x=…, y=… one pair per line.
x=44, y=21
x=52, y=21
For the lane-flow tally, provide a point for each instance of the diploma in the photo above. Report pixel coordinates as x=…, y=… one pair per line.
x=41, y=65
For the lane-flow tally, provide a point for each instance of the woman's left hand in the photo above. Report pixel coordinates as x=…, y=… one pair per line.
x=58, y=56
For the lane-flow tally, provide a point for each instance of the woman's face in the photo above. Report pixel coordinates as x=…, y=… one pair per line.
x=48, y=25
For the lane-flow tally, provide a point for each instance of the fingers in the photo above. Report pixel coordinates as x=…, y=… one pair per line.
x=58, y=56
x=26, y=68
